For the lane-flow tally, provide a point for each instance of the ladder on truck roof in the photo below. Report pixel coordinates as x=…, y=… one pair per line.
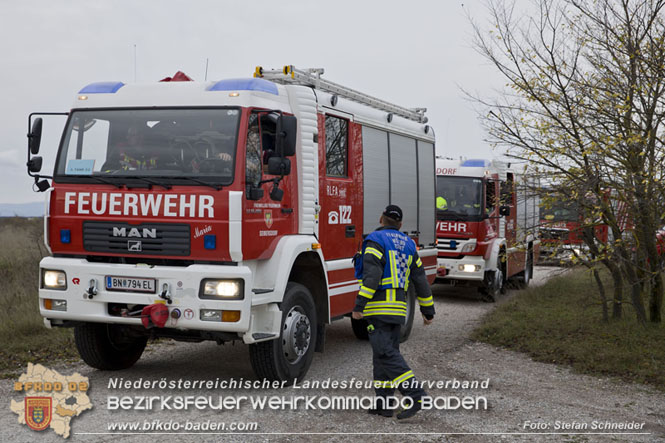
x=312, y=77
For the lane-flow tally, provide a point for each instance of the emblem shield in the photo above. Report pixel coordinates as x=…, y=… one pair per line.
x=267, y=216
x=38, y=412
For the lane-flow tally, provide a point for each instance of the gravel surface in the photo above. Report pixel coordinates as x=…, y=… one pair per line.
x=520, y=391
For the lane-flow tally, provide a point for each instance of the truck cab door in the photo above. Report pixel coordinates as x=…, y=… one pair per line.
x=340, y=184
x=265, y=221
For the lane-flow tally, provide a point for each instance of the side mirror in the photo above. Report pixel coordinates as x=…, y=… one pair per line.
x=287, y=127
x=35, y=136
x=42, y=185
x=35, y=164
x=254, y=193
x=276, y=194
x=279, y=166
x=504, y=210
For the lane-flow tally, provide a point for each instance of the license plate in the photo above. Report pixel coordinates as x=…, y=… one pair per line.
x=130, y=284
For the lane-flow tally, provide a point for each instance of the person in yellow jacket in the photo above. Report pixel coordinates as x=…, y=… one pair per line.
x=390, y=263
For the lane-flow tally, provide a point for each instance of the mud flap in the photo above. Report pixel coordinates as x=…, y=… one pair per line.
x=320, y=338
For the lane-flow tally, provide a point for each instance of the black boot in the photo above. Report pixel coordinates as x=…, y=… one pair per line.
x=410, y=411
x=380, y=411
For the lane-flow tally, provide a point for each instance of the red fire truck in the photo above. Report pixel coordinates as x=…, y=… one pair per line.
x=487, y=221
x=225, y=210
x=561, y=232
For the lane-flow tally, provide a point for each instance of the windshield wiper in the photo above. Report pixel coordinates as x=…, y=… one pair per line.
x=451, y=215
x=101, y=180
x=147, y=180
x=215, y=186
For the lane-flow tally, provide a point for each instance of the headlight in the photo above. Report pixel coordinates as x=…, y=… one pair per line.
x=222, y=289
x=469, y=247
x=54, y=280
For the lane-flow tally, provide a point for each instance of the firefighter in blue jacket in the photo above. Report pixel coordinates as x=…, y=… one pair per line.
x=390, y=263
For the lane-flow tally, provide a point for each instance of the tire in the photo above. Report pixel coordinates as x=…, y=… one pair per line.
x=527, y=274
x=493, y=287
x=289, y=356
x=106, y=347
x=360, y=328
x=405, y=330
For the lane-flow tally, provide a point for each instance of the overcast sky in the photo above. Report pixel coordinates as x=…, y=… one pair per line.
x=414, y=53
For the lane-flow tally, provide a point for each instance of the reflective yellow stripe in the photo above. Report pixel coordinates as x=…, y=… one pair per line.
x=418, y=262
x=393, y=269
x=374, y=252
x=382, y=384
x=391, y=295
x=366, y=292
x=391, y=303
x=385, y=312
x=402, y=378
x=387, y=281
x=428, y=301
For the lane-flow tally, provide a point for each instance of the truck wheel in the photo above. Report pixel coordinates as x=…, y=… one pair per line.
x=107, y=347
x=289, y=356
x=405, y=331
x=527, y=274
x=360, y=328
x=493, y=285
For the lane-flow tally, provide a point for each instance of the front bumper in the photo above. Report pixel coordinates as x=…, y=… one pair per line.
x=453, y=272
x=184, y=284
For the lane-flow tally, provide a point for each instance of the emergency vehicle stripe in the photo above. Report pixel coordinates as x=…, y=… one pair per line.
x=402, y=378
x=374, y=252
x=366, y=292
x=428, y=301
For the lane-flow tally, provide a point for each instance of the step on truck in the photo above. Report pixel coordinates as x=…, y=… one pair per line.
x=487, y=225
x=225, y=210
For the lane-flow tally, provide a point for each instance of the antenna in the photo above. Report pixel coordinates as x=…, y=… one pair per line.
x=206, y=76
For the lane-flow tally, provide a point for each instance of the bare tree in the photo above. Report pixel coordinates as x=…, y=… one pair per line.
x=585, y=106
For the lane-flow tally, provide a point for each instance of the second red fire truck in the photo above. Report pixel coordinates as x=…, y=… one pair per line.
x=487, y=224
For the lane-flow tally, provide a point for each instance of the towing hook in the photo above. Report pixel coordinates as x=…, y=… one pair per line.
x=166, y=293
x=92, y=289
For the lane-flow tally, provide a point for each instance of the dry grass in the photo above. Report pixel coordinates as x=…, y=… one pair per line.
x=561, y=323
x=22, y=331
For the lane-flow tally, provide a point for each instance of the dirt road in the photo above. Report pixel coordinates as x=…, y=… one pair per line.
x=522, y=394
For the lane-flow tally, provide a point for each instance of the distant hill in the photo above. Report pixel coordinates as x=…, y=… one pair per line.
x=35, y=209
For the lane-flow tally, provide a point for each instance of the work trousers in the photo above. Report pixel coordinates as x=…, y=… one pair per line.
x=390, y=368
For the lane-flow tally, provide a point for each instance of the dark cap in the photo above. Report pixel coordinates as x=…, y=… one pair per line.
x=393, y=212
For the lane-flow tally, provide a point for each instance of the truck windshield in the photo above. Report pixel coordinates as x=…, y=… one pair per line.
x=458, y=198
x=164, y=143
x=560, y=212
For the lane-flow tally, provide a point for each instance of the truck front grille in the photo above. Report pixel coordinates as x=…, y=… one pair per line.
x=141, y=239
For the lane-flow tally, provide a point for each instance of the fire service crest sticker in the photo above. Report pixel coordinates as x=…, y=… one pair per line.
x=38, y=412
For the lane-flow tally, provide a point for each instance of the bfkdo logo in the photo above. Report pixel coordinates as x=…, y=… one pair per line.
x=52, y=400
x=38, y=412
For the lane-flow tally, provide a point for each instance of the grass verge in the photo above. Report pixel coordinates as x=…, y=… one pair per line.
x=561, y=322
x=23, y=335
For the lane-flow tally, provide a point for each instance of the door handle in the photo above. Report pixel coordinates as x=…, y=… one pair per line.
x=350, y=231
